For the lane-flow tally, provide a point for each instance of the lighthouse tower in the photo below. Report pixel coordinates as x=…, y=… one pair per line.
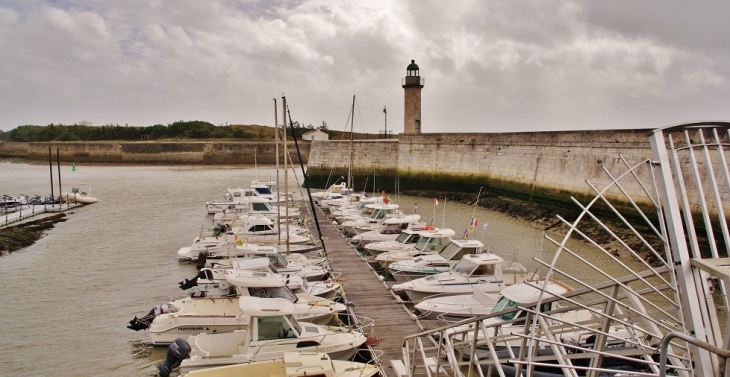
x=412, y=85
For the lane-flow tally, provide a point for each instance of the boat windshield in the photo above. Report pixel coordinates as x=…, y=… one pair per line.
x=273, y=292
x=392, y=228
x=378, y=214
x=455, y=252
x=505, y=304
x=405, y=236
x=280, y=260
x=263, y=190
x=436, y=244
x=278, y=327
x=262, y=207
x=465, y=267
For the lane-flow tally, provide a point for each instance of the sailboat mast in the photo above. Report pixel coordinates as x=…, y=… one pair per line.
x=286, y=177
x=278, y=193
x=352, y=123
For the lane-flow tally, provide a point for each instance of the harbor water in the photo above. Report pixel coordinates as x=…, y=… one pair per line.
x=66, y=299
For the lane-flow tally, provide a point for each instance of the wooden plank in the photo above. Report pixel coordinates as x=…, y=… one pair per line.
x=368, y=295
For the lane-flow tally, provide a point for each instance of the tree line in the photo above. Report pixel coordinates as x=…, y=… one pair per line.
x=180, y=129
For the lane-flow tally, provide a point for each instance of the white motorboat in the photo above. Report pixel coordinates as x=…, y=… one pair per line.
x=389, y=230
x=407, y=237
x=459, y=307
x=374, y=214
x=292, y=364
x=272, y=330
x=424, y=265
x=430, y=241
x=284, y=267
x=262, y=230
x=335, y=190
x=202, y=313
x=353, y=209
x=234, y=197
x=213, y=278
x=266, y=190
x=515, y=303
x=256, y=206
x=488, y=271
x=81, y=194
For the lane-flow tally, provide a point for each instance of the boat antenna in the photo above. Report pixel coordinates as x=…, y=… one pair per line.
x=309, y=192
x=443, y=215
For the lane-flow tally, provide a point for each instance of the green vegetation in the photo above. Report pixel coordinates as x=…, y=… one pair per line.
x=178, y=130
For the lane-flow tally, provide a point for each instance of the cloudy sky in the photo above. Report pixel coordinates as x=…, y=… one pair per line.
x=489, y=66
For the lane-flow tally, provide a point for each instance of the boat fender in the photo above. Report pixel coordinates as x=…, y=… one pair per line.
x=178, y=351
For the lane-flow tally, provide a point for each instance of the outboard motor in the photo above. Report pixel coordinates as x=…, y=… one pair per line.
x=202, y=257
x=178, y=351
x=143, y=323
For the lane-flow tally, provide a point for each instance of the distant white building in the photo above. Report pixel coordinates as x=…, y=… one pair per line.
x=315, y=135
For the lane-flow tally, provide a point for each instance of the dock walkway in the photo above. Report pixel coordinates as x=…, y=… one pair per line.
x=33, y=213
x=368, y=295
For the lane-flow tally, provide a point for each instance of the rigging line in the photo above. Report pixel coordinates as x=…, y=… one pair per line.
x=359, y=113
x=304, y=174
x=269, y=113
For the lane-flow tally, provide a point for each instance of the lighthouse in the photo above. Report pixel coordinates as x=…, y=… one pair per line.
x=412, y=85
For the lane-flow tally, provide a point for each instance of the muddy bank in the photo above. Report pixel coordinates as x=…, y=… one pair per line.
x=545, y=216
x=23, y=235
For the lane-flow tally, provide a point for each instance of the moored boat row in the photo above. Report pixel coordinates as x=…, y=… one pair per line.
x=263, y=294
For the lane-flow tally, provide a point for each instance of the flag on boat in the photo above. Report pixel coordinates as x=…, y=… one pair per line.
x=472, y=224
x=466, y=233
x=73, y=167
x=415, y=207
x=435, y=201
x=484, y=227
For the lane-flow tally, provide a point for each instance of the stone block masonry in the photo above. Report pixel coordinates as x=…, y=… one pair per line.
x=538, y=166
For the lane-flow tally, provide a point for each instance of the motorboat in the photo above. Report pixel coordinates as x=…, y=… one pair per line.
x=389, y=230
x=284, y=267
x=374, y=214
x=9, y=203
x=234, y=197
x=517, y=301
x=292, y=364
x=424, y=265
x=487, y=270
x=80, y=194
x=256, y=206
x=265, y=190
x=334, y=191
x=353, y=209
x=232, y=247
x=202, y=313
x=407, y=237
x=430, y=241
x=272, y=329
x=459, y=307
x=213, y=279
x=262, y=230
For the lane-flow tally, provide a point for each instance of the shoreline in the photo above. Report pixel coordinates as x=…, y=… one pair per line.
x=20, y=236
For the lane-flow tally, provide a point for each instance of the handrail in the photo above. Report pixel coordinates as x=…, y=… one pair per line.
x=664, y=348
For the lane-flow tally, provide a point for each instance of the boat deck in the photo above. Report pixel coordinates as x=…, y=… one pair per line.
x=369, y=296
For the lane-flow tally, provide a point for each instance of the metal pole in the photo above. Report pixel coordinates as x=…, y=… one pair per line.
x=50, y=168
x=385, y=112
x=278, y=192
x=58, y=164
x=286, y=176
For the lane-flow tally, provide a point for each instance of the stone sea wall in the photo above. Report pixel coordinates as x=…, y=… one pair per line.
x=155, y=152
x=547, y=167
